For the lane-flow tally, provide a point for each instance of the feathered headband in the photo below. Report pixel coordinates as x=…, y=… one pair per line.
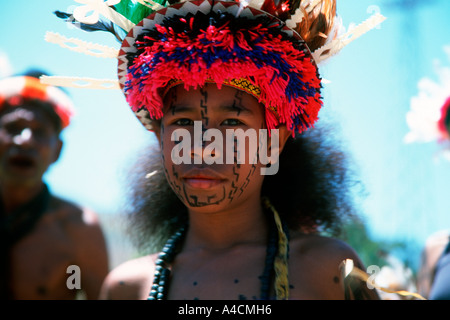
x=262, y=47
x=15, y=90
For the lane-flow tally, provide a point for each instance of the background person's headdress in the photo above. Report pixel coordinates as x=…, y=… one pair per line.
x=268, y=48
x=429, y=116
x=17, y=90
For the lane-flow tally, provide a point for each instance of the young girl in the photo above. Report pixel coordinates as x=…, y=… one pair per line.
x=226, y=211
x=230, y=224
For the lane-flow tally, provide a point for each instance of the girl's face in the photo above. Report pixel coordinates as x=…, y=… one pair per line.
x=192, y=163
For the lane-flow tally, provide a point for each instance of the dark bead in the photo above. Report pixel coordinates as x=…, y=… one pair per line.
x=165, y=272
x=159, y=262
x=162, y=256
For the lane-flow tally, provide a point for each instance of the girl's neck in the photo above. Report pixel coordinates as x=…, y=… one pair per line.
x=227, y=228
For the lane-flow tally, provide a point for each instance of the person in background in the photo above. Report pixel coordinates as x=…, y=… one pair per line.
x=433, y=252
x=50, y=248
x=429, y=121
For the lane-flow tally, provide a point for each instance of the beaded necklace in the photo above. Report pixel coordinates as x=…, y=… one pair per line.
x=275, y=262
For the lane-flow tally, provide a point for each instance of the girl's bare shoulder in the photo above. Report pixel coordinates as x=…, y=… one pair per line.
x=322, y=248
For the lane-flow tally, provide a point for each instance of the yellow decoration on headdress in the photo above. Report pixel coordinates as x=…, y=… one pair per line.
x=241, y=84
x=244, y=85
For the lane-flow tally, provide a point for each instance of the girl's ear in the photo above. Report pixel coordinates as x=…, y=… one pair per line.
x=284, y=135
x=277, y=141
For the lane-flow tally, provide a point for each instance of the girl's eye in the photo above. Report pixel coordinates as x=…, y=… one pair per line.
x=231, y=122
x=184, y=122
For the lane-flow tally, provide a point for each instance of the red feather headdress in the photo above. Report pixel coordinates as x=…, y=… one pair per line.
x=268, y=48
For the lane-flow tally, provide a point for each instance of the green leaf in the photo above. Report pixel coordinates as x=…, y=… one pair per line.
x=134, y=11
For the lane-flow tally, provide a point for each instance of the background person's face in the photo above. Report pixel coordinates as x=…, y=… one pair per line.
x=29, y=144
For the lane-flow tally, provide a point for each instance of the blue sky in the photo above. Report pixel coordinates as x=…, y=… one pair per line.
x=372, y=81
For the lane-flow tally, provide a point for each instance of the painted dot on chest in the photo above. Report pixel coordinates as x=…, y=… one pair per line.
x=236, y=281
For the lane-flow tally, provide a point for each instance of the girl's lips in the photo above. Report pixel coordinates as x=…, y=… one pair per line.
x=204, y=178
x=202, y=182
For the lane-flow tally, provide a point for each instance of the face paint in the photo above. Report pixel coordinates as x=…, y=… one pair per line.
x=210, y=146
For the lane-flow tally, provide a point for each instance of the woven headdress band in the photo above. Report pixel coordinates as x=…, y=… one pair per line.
x=241, y=84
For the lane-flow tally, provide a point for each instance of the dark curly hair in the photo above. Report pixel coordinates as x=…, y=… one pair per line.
x=312, y=191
